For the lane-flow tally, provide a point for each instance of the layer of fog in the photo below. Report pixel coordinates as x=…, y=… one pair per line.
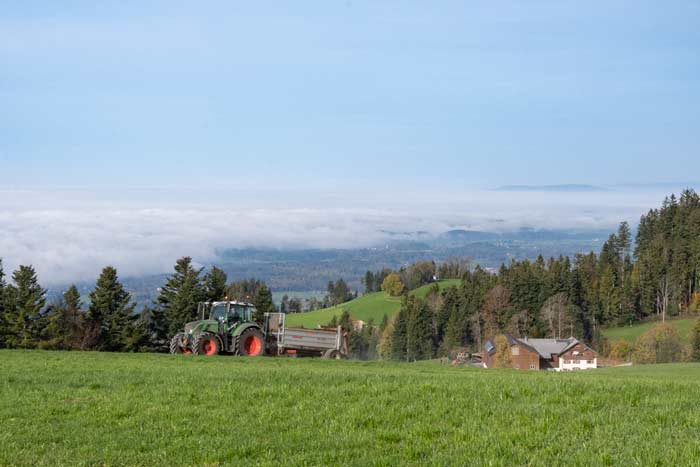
x=69, y=235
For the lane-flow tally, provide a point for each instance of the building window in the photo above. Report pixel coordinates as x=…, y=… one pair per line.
x=532, y=366
x=576, y=362
x=590, y=362
x=515, y=350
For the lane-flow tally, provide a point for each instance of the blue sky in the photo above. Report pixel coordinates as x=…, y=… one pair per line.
x=132, y=133
x=361, y=95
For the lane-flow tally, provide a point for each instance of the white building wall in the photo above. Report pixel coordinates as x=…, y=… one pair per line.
x=582, y=365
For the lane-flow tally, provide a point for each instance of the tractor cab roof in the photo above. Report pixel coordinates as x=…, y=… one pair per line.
x=232, y=302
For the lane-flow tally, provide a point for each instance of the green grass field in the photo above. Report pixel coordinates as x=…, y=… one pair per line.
x=374, y=305
x=631, y=333
x=62, y=408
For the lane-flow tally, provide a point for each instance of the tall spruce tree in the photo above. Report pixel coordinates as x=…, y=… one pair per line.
x=110, y=317
x=25, y=301
x=452, y=338
x=215, y=284
x=177, y=302
x=421, y=343
x=369, y=282
x=263, y=303
x=399, y=333
x=65, y=322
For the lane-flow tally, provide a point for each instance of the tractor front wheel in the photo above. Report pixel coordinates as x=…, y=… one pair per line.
x=251, y=343
x=178, y=345
x=205, y=344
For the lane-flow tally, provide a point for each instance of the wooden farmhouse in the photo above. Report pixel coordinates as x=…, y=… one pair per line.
x=545, y=354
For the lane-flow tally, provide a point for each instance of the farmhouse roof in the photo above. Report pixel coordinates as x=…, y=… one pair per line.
x=546, y=348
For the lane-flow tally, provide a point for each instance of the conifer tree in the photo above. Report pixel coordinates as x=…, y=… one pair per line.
x=215, y=284
x=263, y=303
x=369, y=282
x=111, y=314
x=178, y=300
x=399, y=334
x=65, y=321
x=451, y=302
x=24, y=305
x=453, y=333
x=420, y=345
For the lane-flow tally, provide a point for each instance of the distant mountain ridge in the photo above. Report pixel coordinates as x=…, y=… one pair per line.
x=552, y=188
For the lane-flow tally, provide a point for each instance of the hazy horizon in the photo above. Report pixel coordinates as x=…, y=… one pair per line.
x=69, y=235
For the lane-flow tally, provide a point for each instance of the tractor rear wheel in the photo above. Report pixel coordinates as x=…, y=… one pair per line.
x=251, y=343
x=205, y=344
x=178, y=344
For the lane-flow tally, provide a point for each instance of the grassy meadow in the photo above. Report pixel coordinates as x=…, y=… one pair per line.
x=63, y=408
x=370, y=306
x=631, y=333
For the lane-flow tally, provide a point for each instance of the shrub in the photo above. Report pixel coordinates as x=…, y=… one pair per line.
x=695, y=303
x=660, y=344
x=620, y=350
x=695, y=341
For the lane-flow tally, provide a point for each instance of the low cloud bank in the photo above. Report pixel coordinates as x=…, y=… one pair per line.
x=70, y=238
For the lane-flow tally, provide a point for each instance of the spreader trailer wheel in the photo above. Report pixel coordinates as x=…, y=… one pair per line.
x=332, y=354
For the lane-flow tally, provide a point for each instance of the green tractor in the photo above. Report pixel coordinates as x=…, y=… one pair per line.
x=228, y=329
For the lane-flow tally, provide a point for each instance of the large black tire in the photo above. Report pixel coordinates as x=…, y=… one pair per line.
x=176, y=347
x=250, y=343
x=206, y=344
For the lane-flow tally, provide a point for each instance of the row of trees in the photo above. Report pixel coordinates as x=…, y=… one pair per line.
x=110, y=322
x=415, y=275
x=412, y=276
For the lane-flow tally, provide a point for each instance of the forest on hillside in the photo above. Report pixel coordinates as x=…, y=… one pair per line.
x=655, y=275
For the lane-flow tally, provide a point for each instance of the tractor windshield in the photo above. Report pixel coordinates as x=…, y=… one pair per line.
x=218, y=311
x=240, y=313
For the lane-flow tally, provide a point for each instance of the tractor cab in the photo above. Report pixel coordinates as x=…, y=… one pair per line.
x=228, y=314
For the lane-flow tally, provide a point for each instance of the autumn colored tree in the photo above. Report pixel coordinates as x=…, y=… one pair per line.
x=660, y=344
x=393, y=285
x=502, y=358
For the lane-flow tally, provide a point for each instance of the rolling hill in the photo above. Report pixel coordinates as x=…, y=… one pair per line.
x=631, y=333
x=370, y=306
